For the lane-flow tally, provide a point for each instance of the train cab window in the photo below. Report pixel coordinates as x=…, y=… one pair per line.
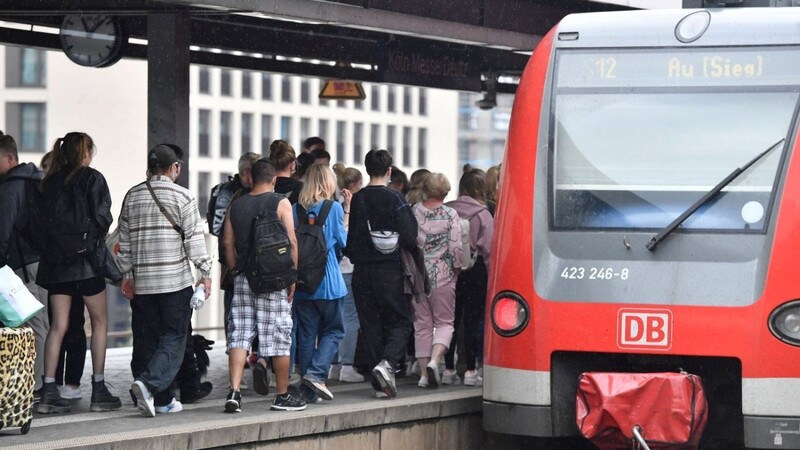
x=639, y=137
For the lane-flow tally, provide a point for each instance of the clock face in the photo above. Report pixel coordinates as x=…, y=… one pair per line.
x=92, y=40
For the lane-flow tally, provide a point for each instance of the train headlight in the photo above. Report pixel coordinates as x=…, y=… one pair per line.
x=510, y=314
x=784, y=323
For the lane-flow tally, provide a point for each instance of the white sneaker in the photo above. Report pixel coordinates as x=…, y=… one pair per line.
x=144, y=401
x=384, y=373
x=69, y=393
x=174, y=407
x=471, y=378
x=423, y=382
x=450, y=377
x=381, y=394
x=415, y=368
x=432, y=370
x=333, y=373
x=349, y=374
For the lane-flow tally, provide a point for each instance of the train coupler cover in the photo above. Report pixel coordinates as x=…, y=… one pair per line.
x=669, y=408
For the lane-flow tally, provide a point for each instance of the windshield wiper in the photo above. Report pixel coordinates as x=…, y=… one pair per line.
x=708, y=196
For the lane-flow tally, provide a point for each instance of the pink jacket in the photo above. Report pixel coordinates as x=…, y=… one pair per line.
x=481, y=224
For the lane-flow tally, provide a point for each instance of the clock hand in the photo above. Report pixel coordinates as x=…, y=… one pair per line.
x=85, y=25
x=99, y=23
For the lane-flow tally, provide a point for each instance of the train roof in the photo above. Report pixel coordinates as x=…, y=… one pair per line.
x=659, y=28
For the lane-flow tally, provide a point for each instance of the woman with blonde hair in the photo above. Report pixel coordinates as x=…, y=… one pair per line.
x=319, y=313
x=415, y=195
x=492, y=187
x=439, y=239
x=76, y=210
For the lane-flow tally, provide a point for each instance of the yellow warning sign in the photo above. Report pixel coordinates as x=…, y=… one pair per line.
x=342, y=90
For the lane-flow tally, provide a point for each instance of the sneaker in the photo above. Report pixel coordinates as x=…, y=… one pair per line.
x=350, y=375
x=260, y=378
x=174, y=407
x=51, y=401
x=318, y=387
x=415, y=368
x=471, y=378
x=191, y=396
x=384, y=373
x=381, y=394
x=288, y=402
x=102, y=400
x=37, y=395
x=432, y=369
x=423, y=382
x=144, y=401
x=450, y=376
x=69, y=392
x=334, y=372
x=234, y=402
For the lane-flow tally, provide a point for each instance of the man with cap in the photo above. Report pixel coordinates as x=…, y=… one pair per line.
x=160, y=232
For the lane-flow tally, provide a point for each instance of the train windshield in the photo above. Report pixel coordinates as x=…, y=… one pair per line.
x=639, y=136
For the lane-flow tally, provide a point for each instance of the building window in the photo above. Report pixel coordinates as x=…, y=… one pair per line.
x=341, y=140
x=406, y=99
x=27, y=122
x=322, y=132
x=204, y=130
x=225, y=134
x=340, y=104
x=406, y=146
x=305, y=128
x=423, y=102
x=266, y=134
x=286, y=89
x=358, y=135
x=422, y=147
x=247, y=85
x=376, y=98
x=286, y=129
x=390, y=102
x=225, y=82
x=305, y=92
x=266, y=86
x=205, y=80
x=224, y=177
x=203, y=190
x=25, y=67
x=359, y=104
x=247, y=132
x=390, y=132
x=375, y=136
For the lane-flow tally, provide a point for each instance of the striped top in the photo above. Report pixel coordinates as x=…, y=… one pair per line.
x=150, y=250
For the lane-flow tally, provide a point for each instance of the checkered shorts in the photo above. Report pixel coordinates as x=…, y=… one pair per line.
x=269, y=315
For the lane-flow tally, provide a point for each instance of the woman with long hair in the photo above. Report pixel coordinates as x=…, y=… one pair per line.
x=414, y=195
x=75, y=217
x=319, y=313
x=492, y=187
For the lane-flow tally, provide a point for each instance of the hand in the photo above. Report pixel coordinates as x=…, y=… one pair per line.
x=128, y=288
x=348, y=197
x=290, y=295
x=206, y=282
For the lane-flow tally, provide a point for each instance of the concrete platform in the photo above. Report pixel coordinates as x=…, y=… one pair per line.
x=448, y=417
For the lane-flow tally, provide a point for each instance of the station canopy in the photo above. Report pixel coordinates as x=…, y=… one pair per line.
x=434, y=43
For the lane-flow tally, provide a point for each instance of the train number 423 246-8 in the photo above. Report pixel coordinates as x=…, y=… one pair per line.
x=594, y=273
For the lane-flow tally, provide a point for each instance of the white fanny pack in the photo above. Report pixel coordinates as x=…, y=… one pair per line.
x=385, y=242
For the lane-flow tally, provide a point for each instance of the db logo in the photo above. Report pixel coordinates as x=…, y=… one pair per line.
x=644, y=329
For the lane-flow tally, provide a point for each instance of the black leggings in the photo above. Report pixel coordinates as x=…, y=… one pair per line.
x=470, y=306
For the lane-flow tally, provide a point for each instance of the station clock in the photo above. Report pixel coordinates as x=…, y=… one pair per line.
x=93, y=40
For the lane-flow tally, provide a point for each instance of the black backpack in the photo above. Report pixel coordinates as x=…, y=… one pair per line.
x=212, y=207
x=312, y=250
x=30, y=231
x=64, y=220
x=268, y=266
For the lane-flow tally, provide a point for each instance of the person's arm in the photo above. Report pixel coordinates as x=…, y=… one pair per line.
x=100, y=203
x=286, y=215
x=229, y=243
x=454, y=245
x=339, y=225
x=9, y=205
x=194, y=242
x=124, y=258
x=347, y=200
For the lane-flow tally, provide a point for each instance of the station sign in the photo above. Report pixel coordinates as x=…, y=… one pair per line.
x=417, y=62
x=342, y=90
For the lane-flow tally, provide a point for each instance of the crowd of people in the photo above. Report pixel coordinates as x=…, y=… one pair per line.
x=326, y=273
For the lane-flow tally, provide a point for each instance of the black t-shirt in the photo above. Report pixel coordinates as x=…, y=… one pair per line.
x=289, y=187
x=243, y=211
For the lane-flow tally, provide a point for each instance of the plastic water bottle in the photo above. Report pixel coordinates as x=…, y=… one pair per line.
x=198, y=298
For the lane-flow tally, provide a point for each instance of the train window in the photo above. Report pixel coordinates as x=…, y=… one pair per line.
x=633, y=151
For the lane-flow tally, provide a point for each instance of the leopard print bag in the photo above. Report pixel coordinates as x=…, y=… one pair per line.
x=17, y=353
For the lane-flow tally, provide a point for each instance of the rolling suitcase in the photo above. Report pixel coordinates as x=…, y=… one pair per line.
x=17, y=353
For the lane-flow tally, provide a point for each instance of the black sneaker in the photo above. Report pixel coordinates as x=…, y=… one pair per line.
x=102, y=400
x=51, y=401
x=195, y=395
x=234, y=402
x=288, y=402
x=260, y=379
x=37, y=395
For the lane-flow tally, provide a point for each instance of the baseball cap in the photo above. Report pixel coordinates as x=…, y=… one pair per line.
x=164, y=155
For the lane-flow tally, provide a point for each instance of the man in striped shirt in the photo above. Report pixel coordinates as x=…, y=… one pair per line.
x=155, y=248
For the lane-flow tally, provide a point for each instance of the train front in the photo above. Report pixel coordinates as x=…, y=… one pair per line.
x=649, y=220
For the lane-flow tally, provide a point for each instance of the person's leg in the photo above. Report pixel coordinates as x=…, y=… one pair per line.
x=241, y=329
x=474, y=308
x=369, y=346
x=329, y=333
x=443, y=304
x=307, y=326
x=461, y=292
x=51, y=401
x=227, y=298
x=144, y=329
x=395, y=314
x=40, y=323
x=275, y=340
x=347, y=346
x=75, y=347
x=96, y=305
x=188, y=377
x=423, y=332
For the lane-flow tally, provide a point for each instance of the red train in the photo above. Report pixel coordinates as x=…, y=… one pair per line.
x=649, y=220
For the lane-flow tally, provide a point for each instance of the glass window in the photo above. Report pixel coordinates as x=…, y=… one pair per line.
x=204, y=76
x=422, y=147
x=225, y=82
x=423, y=102
x=286, y=89
x=376, y=98
x=406, y=99
x=247, y=132
x=247, y=85
x=390, y=102
x=286, y=128
x=340, y=104
x=323, y=129
x=224, y=177
x=305, y=92
x=390, y=132
x=359, y=104
x=203, y=133
x=358, y=149
x=28, y=123
x=406, y=146
x=341, y=140
x=305, y=127
x=225, y=134
x=25, y=67
x=266, y=86
x=266, y=133
x=203, y=191
x=375, y=137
